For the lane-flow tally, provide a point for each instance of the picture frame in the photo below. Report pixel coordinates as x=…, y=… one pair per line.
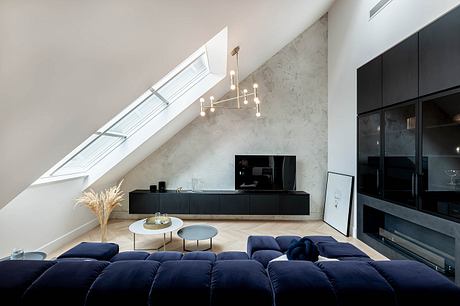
x=338, y=200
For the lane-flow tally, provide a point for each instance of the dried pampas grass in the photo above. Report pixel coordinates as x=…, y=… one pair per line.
x=102, y=204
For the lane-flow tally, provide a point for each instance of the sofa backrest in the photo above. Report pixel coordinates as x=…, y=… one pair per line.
x=222, y=283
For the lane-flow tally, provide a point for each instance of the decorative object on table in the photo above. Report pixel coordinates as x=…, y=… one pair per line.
x=158, y=221
x=162, y=186
x=242, y=96
x=456, y=118
x=411, y=123
x=452, y=174
x=337, y=206
x=17, y=254
x=153, y=188
x=102, y=205
x=197, y=185
x=197, y=232
x=138, y=228
x=179, y=189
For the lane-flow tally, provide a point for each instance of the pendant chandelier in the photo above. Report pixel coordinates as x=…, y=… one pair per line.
x=241, y=95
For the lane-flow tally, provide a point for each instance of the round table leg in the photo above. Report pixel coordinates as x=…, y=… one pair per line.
x=164, y=242
x=134, y=241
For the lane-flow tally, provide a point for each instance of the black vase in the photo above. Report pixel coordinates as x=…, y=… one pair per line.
x=153, y=188
x=162, y=186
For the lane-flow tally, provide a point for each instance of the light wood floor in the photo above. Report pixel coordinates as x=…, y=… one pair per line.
x=232, y=235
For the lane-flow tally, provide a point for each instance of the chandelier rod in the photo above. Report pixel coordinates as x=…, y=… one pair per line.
x=230, y=99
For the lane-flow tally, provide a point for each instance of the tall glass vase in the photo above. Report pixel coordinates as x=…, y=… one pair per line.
x=103, y=227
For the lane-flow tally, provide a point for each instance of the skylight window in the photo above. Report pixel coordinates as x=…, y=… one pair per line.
x=152, y=103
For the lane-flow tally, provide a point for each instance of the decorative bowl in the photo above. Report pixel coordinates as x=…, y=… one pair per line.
x=155, y=223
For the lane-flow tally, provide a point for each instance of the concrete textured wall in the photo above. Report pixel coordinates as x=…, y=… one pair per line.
x=293, y=91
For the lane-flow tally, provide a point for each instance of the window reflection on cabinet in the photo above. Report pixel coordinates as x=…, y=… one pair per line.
x=369, y=154
x=400, y=147
x=441, y=155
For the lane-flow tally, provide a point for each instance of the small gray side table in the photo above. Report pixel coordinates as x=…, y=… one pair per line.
x=28, y=256
x=197, y=232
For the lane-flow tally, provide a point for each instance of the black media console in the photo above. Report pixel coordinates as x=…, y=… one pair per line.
x=220, y=202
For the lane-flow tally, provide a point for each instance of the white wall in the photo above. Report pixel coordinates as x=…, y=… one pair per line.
x=293, y=89
x=353, y=41
x=44, y=217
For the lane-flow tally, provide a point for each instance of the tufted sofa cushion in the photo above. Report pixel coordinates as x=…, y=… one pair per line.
x=94, y=250
x=16, y=276
x=65, y=282
x=247, y=277
x=123, y=283
x=130, y=255
x=256, y=243
x=185, y=282
x=165, y=256
x=339, y=249
x=232, y=255
x=200, y=255
x=415, y=284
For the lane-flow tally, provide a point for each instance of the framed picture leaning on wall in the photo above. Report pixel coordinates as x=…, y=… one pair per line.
x=338, y=199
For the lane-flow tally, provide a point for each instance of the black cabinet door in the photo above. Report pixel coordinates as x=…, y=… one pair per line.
x=174, y=203
x=234, y=204
x=204, y=204
x=369, y=80
x=400, y=72
x=440, y=182
x=143, y=203
x=291, y=204
x=440, y=54
x=369, y=154
x=264, y=204
x=400, y=135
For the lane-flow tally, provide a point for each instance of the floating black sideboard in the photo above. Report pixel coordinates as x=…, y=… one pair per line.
x=220, y=202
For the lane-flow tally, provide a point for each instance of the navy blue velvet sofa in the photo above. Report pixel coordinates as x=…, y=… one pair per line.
x=97, y=274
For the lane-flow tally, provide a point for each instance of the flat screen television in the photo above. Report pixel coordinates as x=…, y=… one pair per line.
x=265, y=172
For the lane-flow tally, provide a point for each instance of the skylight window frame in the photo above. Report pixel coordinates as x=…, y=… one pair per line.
x=121, y=138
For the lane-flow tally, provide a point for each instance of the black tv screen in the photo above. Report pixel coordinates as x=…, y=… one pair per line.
x=265, y=172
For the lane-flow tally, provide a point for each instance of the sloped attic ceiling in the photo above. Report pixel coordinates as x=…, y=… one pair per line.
x=67, y=67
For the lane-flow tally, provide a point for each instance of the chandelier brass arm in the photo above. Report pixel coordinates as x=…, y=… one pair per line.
x=240, y=94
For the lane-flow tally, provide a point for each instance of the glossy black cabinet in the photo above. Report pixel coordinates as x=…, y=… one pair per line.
x=204, y=204
x=440, y=161
x=174, y=203
x=143, y=203
x=264, y=204
x=400, y=72
x=369, y=154
x=220, y=203
x=293, y=204
x=440, y=54
x=234, y=204
x=400, y=142
x=369, y=78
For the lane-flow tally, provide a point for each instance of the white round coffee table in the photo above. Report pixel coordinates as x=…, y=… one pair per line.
x=138, y=228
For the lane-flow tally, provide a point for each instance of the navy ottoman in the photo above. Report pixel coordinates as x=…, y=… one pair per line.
x=93, y=250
